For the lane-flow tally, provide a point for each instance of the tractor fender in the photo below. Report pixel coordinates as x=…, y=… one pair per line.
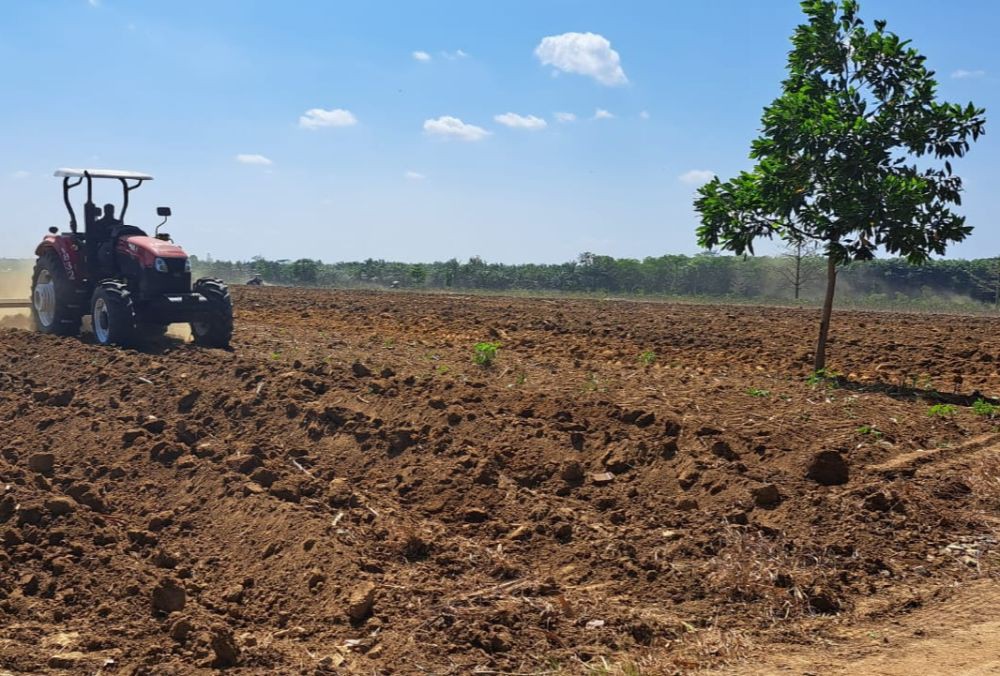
x=68, y=252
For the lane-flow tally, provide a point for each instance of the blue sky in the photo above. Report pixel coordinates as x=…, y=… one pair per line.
x=186, y=90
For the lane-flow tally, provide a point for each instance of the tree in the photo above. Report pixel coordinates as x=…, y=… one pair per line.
x=800, y=254
x=305, y=271
x=846, y=152
x=989, y=281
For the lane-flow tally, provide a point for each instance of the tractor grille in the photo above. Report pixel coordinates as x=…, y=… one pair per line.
x=174, y=265
x=174, y=280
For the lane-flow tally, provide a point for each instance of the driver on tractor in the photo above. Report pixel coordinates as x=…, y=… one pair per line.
x=104, y=235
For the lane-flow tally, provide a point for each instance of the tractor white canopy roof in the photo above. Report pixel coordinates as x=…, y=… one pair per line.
x=102, y=173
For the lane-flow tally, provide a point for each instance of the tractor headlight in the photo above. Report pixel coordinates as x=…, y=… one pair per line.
x=160, y=264
x=187, y=265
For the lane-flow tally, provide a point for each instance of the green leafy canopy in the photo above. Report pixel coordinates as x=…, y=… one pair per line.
x=854, y=153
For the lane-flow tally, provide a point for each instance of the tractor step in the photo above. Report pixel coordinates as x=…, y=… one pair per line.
x=12, y=304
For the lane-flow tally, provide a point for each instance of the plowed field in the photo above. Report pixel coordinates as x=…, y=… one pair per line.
x=628, y=488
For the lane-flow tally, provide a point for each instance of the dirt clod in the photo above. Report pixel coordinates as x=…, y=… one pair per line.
x=43, y=463
x=60, y=506
x=361, y=601
x=223, y=643
x=169, y=596
x=766, y=495
x=180, y=629
x=828, y=468
x=72, y=659
x=572, y=472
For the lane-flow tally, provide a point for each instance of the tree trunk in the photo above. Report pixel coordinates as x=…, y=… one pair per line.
x=798, y=269
x=824, y=324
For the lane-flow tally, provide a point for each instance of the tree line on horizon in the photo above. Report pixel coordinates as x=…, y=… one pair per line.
x=796, y=275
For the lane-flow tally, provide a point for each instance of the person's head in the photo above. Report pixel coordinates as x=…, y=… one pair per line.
x=109, y=210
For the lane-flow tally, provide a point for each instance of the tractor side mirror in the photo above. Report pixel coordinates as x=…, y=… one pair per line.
x=165, y=213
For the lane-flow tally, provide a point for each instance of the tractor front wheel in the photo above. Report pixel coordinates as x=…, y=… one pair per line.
x=113, y=314
x=216, y=329
x=56, y=305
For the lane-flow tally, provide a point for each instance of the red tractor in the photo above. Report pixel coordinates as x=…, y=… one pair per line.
x=131, y=285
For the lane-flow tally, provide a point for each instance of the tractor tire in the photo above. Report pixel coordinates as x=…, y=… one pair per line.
x=217, y=328
x=113, y=315
x=57, y=304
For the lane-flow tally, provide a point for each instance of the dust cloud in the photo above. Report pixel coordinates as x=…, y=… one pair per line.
x=181, y=332
x=15, y=284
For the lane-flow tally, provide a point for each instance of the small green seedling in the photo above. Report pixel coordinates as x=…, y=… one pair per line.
x=942, y=410
x=757, y=392
x=985, y=408
x=870, y=431
x=484, y=354
x=823, y=377
x=647, y=358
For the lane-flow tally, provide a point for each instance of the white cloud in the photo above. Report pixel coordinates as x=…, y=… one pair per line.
x=565, y=117
x=455, y=55
x=315, y=118
x=413, y=175
x=452, y=127
x=696, y=177
x=962, y=74
x=94, y=3
x=515, y=121
x=601, y=114
x=584, y=54
x=20, y=173
x=259, y=160
x=644, y=115
x=421, y=56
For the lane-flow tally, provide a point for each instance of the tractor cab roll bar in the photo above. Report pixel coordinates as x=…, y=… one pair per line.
x=88, y=175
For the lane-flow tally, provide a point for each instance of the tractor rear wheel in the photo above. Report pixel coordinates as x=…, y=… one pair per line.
x=216, y=329
x=113, y=314
x=57, y=305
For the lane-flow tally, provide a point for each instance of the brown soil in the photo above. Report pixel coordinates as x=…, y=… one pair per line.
x=346, y=491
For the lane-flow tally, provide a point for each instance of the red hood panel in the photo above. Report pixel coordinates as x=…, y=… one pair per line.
x=155, y=247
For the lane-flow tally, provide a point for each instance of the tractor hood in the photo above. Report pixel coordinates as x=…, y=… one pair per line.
x=148, y=249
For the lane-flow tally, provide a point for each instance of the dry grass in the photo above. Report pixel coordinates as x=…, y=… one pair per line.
x=984, y=480
x=773, y=582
